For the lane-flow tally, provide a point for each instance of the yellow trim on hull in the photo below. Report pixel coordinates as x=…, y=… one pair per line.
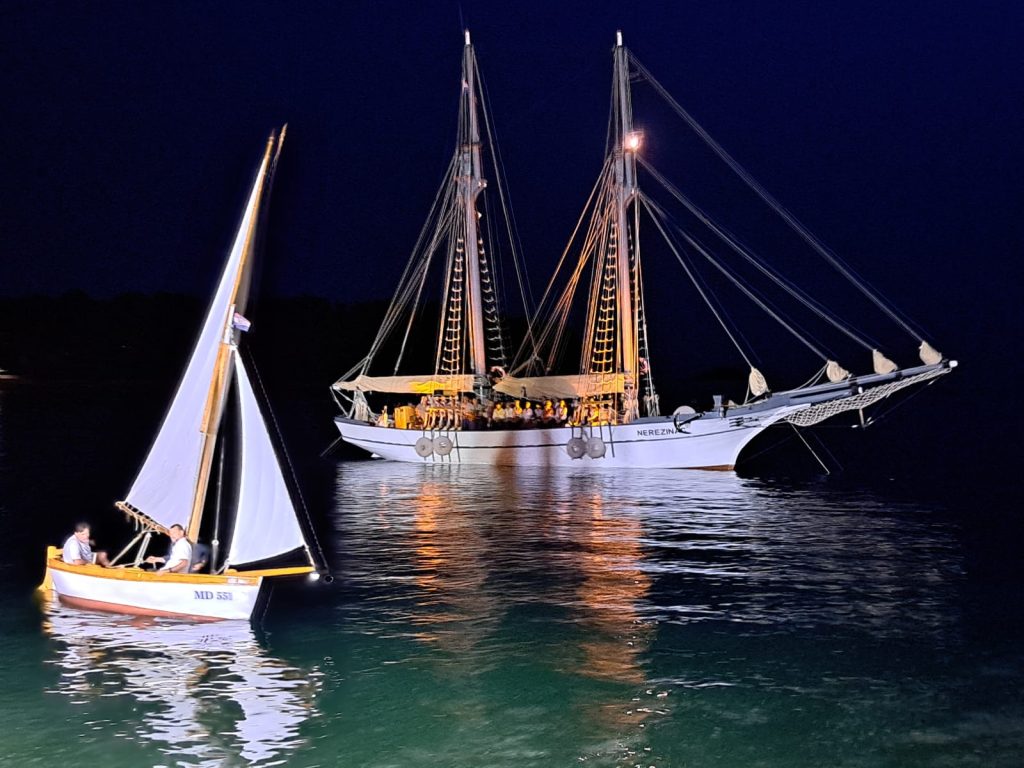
x=272, y=572
x=231, y=576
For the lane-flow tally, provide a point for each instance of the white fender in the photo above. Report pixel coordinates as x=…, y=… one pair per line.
x=576, y=447
x=424, y=447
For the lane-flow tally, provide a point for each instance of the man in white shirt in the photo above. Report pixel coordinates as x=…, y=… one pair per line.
x=78, y=548
x=181, y=552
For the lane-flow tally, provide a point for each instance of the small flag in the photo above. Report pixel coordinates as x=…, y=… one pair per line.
x=239, y=323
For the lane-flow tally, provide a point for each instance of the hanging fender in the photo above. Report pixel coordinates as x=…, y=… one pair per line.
x=442, y=445
x=424, y=447
x=596, y=447
x=576, y=447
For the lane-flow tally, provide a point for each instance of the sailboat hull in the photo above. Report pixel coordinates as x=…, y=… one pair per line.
x=197, y=597
x=703, y=443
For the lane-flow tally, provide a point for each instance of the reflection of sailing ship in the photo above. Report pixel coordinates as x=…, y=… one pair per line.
x=208, y=691
x=440, y=551
x=606, y=412
x=613, y=586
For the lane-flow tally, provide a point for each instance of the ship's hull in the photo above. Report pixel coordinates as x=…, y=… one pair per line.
x=197, y=597
x=707, y=442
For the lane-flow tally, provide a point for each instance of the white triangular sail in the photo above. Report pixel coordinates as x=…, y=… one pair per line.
x=265, y=523
x=166, y=485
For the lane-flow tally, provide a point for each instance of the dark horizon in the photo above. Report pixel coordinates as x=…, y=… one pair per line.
x=894, y=134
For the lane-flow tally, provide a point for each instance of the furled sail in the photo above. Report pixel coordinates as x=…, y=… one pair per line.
x=881, y=363
x=265, y=523
x=929, y=355
x=562, y=387
x=410, y=385
x=166, y=485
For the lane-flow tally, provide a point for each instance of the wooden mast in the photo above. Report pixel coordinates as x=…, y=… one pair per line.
x=470, y=185
x=623, y=150
x=222, y=370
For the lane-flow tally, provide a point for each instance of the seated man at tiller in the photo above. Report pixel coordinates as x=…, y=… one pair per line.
x=180, y=556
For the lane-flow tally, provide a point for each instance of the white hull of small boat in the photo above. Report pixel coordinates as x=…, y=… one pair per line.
x=197, y=597
x=708, y=442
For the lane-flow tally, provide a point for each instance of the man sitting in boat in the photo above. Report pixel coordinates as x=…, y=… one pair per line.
x=177, y=561
x=78, y=548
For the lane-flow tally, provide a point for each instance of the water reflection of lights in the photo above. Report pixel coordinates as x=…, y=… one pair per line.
x=206, y=691
x=423, y=542
x=613, y=585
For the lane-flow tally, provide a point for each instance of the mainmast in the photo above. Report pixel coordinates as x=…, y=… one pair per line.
x=470, y=184
x=625, y=143
x=219, y=384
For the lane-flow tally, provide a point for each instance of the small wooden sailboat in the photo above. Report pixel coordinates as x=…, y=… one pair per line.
x=266, y=540
x=615, y=418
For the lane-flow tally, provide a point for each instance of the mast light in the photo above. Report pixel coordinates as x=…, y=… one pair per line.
x=633, y=141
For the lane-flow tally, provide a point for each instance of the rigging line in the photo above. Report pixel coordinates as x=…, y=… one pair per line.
x=900, y=403
x=650, y=209
x=457, y=231
x=558, y=321
x=536, y=318
x=593, y=243
x=518, y=259
x=795, y=291
x=808, y=445
x=826, y=253
x=350, y=371
x=736, y=279
x=400, y=298
x=746, y=291
x=444, y=224
x=601, y=286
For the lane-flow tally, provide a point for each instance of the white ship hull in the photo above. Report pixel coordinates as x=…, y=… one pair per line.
x=708, y=442
x=197, y=597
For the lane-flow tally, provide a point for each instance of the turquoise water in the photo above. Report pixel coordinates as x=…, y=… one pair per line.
x=504, y=618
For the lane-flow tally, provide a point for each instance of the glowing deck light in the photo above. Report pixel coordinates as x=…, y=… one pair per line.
x=632, y=141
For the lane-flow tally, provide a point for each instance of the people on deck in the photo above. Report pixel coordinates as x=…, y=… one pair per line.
x=180, y=556
x=547, y=414
x=78, y=548
x=527, y=416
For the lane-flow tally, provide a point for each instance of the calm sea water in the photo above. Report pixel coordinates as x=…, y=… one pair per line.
x=522, y=618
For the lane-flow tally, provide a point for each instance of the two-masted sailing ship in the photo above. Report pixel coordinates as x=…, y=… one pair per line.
x=476, y=407
x=265, y=540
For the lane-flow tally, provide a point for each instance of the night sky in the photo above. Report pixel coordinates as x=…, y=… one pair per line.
x=131, y=132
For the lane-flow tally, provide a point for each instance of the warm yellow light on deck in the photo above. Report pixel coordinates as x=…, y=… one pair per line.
x=632, y=141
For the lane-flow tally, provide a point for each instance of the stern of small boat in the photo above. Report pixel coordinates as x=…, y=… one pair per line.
x=52, y=553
